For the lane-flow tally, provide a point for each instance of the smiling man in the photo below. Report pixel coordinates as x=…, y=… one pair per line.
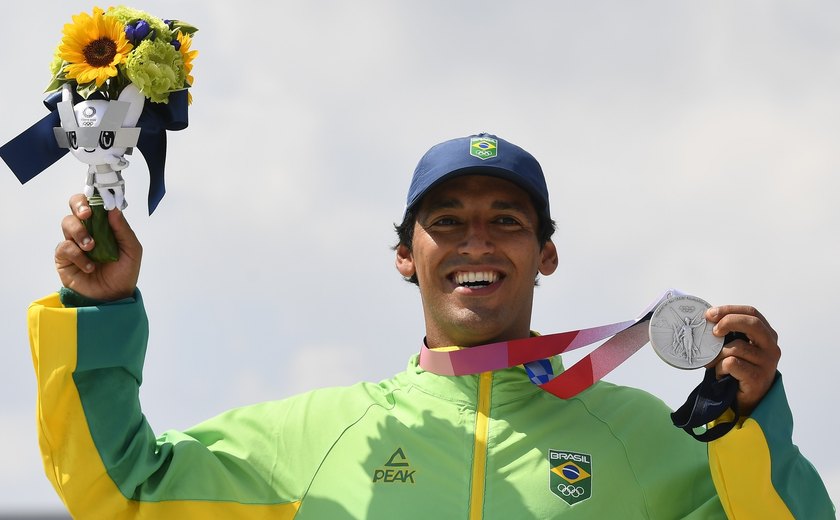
x=476, y=255
x=475, y=236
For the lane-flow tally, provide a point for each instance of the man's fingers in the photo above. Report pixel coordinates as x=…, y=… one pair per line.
x=67, y=254
x=716, y=313
x=75, y=230
x=734, y=366
x=755, y=329
x=750, y=352
x=761, y=349
x=742, y=318
x=752, y=385
x=123, y=233
x=752, y=361
x=79, y=206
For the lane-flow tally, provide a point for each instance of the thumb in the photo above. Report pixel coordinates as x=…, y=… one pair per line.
x=126, y=239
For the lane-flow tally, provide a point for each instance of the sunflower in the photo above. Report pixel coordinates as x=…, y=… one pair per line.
x=187, y=56
x=93, y=46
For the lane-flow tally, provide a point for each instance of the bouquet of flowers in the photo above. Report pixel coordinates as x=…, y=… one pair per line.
x=119, y=81
x=110, y=49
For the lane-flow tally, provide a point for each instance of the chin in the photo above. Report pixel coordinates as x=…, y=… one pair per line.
x=475, y=329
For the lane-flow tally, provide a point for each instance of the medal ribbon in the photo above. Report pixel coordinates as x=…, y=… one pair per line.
x=705, y=404
x=709, y=401
x=627, y=338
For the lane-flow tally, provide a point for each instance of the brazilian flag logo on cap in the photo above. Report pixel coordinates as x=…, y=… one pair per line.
x=483, y=147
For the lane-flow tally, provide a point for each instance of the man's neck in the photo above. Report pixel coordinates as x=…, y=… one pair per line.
x=469, y=340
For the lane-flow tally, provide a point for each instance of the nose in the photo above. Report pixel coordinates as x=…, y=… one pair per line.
x=477, y=240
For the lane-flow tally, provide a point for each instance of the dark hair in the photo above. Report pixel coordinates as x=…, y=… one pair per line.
x=405, y=233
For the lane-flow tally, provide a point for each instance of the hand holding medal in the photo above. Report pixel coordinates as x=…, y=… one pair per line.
x=750, y=351
x=735, y=343
x=119, y=81
x=740, y=360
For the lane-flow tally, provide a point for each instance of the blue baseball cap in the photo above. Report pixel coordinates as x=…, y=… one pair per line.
x=481, y=154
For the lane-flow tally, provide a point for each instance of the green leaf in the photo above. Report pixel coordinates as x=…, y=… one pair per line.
x=87, y=89
x=54, y=85
x=184, y=27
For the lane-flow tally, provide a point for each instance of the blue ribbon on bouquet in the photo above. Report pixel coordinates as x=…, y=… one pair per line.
x=35, y=149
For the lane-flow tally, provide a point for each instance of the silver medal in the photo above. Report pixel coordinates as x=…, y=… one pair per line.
x=680, y=334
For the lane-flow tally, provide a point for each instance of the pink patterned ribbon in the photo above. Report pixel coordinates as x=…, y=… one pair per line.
x=627, y=338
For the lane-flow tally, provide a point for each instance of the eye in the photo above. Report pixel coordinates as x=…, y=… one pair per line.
x=445, y=221
x=507, y=220
x=106, y=139
x=71, y=137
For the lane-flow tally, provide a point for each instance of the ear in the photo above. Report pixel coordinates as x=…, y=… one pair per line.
x=548, y=259
x=405, y=261
x=136, y=99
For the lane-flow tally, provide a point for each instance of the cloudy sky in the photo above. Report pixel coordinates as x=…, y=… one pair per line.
x=687, y=144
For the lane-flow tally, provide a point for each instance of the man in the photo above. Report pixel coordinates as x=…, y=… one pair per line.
x=475, y=236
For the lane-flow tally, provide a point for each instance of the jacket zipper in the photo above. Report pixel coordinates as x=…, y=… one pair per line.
x=482, y=430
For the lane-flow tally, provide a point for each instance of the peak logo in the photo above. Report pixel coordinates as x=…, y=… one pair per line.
x=570, y=475
x=396, y=470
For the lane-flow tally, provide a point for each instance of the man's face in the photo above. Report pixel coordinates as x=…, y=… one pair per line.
x=476, y=256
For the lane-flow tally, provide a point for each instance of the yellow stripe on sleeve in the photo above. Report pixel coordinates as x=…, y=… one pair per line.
x=740, y=466
x=70, y=458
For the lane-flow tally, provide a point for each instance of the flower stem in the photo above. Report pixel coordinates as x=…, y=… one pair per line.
x=105, y=244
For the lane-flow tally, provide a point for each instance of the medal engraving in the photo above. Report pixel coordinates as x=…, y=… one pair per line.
x=680, y=334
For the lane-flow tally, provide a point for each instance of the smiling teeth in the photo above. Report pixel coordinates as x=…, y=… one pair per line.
x=481, y=277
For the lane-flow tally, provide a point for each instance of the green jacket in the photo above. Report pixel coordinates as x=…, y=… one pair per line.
x=419, y=445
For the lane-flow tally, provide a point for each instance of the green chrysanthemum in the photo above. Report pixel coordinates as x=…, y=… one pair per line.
x=126, y=15
x=55, y=65
x=157, y=69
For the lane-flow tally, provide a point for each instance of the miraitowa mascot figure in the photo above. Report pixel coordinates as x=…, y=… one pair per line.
x=99, y=133
x=119, y=82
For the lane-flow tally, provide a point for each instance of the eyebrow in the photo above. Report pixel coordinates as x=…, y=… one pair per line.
x=457, y=204
x=444, y=204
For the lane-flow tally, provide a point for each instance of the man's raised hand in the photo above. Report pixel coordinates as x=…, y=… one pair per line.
x=107, y=281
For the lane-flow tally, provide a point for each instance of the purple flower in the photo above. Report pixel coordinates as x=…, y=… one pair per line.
x=141, y=30
x=138, y=31
x=175, y=43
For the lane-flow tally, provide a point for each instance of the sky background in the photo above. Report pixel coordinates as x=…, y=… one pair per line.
x=686, y=144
